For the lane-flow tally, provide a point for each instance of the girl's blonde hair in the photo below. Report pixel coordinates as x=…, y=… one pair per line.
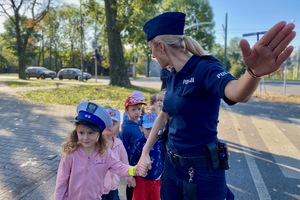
x=161, y=93
x=71, y=144
x=181, y=43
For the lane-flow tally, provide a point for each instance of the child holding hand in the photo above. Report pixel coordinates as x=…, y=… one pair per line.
x=86, y=158
x=111, y=181
x=130, y=128
x=148, y=188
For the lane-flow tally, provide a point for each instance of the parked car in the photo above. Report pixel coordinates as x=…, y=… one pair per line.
x=39, y=72
x=73, y=73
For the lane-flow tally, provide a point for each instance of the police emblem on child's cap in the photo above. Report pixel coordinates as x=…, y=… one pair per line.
x=114, y=114
x=93, y=115
x=168, y=23
x=148, y=120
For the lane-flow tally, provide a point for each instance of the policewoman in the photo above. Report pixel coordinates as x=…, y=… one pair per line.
x=195, y=87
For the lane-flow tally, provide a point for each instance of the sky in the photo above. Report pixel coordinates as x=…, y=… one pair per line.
x=248, y=16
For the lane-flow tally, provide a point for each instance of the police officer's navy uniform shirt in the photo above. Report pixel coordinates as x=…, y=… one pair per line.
x=192, y=101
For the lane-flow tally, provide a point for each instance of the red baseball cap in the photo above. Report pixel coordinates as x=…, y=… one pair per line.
x=131, y=101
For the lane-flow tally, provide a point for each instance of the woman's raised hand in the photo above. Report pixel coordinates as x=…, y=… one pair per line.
x=267, y=55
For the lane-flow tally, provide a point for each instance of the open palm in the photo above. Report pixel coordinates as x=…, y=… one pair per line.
x=267, y=55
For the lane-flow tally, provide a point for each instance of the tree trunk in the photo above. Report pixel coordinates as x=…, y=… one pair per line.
x=22, y=67
x=21, y=57
x=43, y=50
x=50, y=55
x=118, y=69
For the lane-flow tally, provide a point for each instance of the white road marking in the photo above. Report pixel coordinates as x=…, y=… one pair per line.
x=286, y=155
x=256, y=176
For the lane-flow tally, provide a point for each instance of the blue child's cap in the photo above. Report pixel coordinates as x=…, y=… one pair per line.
x=93, y=116
x=168, y=23
x=148, y=120
x=114, y=114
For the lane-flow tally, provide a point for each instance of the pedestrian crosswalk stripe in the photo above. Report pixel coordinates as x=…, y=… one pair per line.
x=255, y=173
x=284, y=152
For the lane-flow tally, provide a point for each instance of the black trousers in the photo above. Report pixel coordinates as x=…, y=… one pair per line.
x=129, y=192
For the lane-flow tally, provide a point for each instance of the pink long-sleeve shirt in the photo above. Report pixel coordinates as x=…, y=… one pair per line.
x=82, y=177
x=111, y=181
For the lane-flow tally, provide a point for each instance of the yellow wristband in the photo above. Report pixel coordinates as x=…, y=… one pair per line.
x=131, y=171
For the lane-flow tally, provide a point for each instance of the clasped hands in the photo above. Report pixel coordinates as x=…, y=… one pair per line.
x=143, y=166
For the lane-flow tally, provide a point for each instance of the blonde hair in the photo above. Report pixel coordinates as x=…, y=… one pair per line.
x=161, y=93
x=181, y=43
x=72, y=144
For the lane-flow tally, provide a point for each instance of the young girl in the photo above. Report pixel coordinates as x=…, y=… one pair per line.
x=86, y=158
x=111, y=181
x=160, y=99
x=152, y=106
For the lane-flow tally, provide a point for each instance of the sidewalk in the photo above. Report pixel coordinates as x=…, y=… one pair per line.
x=30, y=139
x=30, y=143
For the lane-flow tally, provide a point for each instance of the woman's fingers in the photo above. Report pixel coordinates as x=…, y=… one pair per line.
x=278, y=37
x=281, y=47
x=143, y=167
x=271, y=34
x=267, y=55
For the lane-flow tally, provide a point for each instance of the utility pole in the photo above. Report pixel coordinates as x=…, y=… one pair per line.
x=225, y=49
x=297, y=65
x=95, y=45
x=81, y=40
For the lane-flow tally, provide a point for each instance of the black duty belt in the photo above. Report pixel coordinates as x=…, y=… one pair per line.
x=193, y=161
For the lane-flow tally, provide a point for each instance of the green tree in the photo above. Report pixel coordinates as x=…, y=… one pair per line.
x=126, y=17
x=10, y=40
x=196, y=11
x=8, y=59
x=24, y=30
x=69, y=31
x=118, y=72
x=133, y=18
x=51, y=41
x=218, y=52
x=235, y=57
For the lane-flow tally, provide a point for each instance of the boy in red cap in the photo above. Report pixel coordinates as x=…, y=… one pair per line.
x=130, y=128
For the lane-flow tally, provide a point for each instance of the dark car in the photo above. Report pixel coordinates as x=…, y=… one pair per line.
x=39, y=72
x=73, y=73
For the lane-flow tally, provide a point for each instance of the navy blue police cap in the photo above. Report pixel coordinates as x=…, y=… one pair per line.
x=168, y=23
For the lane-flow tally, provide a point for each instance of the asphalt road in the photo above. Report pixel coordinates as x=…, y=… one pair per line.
x=263, y=137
